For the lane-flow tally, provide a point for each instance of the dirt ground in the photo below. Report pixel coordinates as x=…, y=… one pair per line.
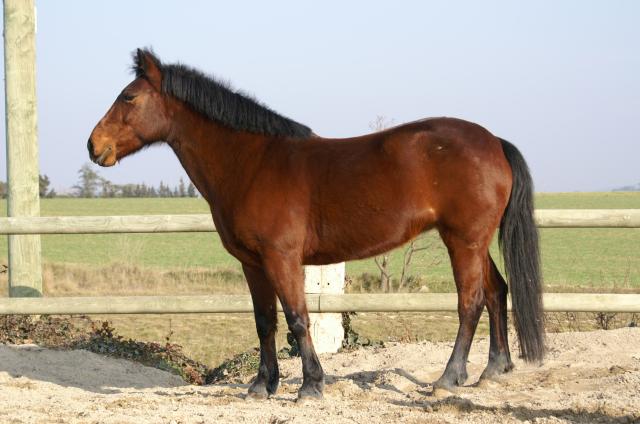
x=587, y=377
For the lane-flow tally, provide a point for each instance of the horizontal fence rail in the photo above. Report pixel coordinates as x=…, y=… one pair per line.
x=107, y=224
x=390, y=302
x=545, y=218
x=588, y=218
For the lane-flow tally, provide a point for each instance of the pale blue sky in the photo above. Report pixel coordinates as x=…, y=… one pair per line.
x=560, y=79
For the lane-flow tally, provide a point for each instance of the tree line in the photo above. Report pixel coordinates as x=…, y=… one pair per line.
x=92, y=184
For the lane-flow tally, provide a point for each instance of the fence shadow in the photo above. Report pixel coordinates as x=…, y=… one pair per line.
x=367, y=380
x=521, y=413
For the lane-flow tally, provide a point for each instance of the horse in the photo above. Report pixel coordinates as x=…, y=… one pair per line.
x=283, y=197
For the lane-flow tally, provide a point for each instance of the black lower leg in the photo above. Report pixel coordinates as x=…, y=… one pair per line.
x=312, y=373
x=496, y=299
x=267, y=380
x=264, y=307
x=455, y=374
x=499, y=359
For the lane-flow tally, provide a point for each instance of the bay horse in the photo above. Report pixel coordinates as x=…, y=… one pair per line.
x=282, y=197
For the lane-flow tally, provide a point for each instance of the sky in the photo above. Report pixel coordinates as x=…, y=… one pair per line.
x=561, y=80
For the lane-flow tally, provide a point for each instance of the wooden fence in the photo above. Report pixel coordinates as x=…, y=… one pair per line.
x=545, y=218
x=317, y=303
x=551, y=218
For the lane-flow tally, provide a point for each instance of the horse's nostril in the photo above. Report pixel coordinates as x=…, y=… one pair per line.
x=90, y=147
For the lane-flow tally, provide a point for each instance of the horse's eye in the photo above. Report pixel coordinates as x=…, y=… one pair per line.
x=127, y=97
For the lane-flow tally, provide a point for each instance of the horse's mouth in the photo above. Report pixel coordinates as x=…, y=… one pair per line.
x=100, y=160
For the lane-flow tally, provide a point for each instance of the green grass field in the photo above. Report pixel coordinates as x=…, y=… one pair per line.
x=571, y=257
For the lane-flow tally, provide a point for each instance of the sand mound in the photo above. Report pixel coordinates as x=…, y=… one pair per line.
x=587, y=377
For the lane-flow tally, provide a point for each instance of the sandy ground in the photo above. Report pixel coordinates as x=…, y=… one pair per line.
x=586, y=378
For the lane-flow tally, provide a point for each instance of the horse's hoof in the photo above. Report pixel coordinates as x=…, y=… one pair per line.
x=495, y=372
x=450, y=381
x=312, y=392
x=257, y=391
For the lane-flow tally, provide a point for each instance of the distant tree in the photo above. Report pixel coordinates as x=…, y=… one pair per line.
x=3, y=190
x=191, y=190
x=164, y=190
x=128, y=190
x=108, y=188
x=182, y=191
x=635, y=187
x=381, y=123
x=44, y=184
x=88, y=182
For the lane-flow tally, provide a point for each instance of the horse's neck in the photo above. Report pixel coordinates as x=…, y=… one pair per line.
x=218, y=160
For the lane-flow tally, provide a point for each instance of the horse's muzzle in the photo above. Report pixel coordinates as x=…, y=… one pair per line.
x=90, y=149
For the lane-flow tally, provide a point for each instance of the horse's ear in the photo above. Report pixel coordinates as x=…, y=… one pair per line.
x=148, y=67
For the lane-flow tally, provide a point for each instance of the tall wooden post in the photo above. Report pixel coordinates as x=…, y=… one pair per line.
x=25, y=270
x=326, y=328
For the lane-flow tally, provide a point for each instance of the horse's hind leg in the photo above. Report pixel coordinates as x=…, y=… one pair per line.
x=468, y=259
x=495, y=293
x=264, y=308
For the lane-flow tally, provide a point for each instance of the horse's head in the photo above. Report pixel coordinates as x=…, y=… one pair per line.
x=136, y=119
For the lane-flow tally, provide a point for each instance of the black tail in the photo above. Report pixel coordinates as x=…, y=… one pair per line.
x=518, y=241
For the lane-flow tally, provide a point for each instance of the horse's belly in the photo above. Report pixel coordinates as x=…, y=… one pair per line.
x=366, y=238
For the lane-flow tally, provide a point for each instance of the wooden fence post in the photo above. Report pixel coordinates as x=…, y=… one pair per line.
x=326, y=328
x=25, y=270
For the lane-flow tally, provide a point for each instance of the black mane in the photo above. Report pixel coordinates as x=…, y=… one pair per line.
x=219, y=102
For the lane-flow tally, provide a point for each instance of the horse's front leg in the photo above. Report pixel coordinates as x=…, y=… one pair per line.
x=264, y=308
x=284, y=270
